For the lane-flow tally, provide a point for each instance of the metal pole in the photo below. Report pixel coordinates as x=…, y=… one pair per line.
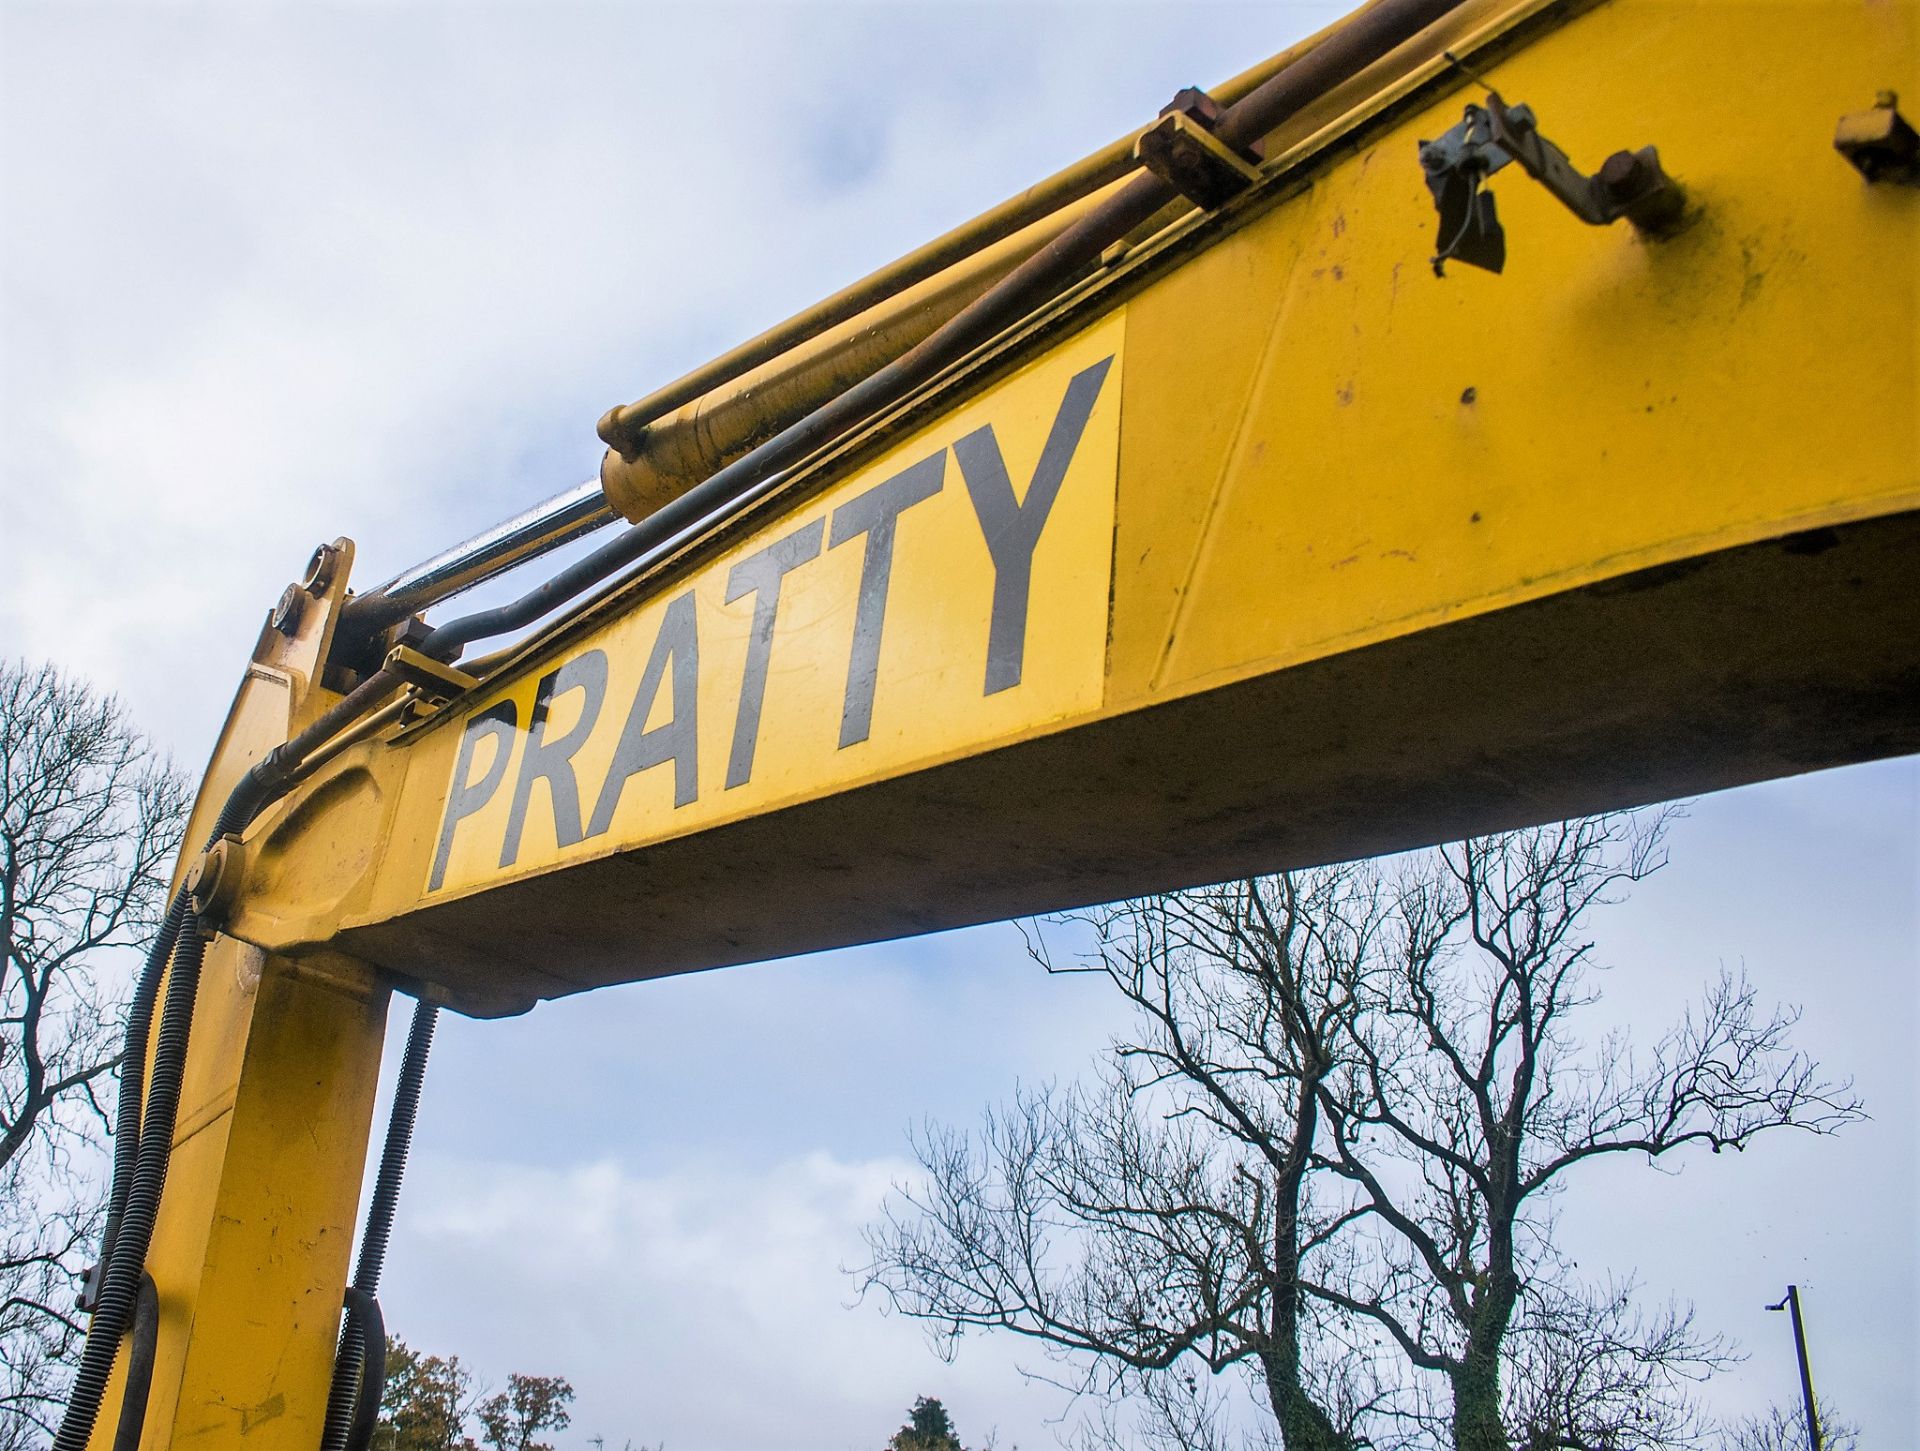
x=547, y=525
x=1792, y=1302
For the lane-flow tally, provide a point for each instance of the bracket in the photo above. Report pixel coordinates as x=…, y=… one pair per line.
x=1629, y=184
x=1881, y=143
x=1181, y=149
x=433, y=679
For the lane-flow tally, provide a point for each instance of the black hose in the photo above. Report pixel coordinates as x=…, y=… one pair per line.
x=121, y=1281
x=351, y=1388
x=255, y=788
x=146, y=1340
x=373, y=1368
x=133, y=1072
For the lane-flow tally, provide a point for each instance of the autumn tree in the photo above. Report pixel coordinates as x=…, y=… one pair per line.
x=531, y=1404
x=1327, y=1158
x=425, y=1403
x=90, y=820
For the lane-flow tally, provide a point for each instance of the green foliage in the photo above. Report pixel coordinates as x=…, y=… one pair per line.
x=928, y=1428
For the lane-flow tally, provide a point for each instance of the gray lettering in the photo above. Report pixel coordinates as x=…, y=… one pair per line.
x=761, y=575
x=467, y=797
x=1012, y=527
x=678, y=741
x=552, y=760
x=876, y=514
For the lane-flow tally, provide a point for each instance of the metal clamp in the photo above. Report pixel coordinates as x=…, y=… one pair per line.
x=1182, y=150
x=434, y=679
x=213, y=881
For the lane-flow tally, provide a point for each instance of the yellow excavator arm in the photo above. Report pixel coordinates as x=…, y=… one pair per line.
x=1485, y=412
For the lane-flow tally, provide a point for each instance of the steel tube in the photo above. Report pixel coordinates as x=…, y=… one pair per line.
x=1340, y=55
x=547, y=525
x=579, y=511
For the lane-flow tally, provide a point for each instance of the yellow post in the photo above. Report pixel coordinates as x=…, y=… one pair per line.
x=251, y=1252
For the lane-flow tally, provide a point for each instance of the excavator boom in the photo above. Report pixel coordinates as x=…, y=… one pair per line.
x=1483, y=413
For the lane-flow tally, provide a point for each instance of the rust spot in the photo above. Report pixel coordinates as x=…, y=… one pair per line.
x=1345, y=393
x=1475, y=517
x=1339, y=273
x=1469, y=395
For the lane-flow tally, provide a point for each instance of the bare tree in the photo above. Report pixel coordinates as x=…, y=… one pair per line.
x=1784, y=1428
x=1162, y=1218
x=1466, y=1098
x=90, y=820
x=1328, y=1160
x=1588, y=1368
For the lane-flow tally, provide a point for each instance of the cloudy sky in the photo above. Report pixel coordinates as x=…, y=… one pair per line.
x=271, y=273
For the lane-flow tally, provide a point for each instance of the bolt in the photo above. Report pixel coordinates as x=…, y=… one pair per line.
x=286, y=614
x=1196, y=105
x=1623, y=175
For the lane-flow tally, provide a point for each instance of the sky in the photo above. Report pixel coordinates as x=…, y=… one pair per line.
x=273, y=273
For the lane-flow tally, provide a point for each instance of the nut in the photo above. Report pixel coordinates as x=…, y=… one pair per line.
x=1623, y=174
x=214, y=880
x=286, y=614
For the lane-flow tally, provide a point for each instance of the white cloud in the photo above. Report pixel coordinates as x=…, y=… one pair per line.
x=273, y=274
x=704, y=1306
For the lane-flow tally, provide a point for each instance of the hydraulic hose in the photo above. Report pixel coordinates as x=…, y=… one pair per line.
x=144, y=1125
x=1343, y=54
x=146, y=1340
x=353, y=1387
x=120, y=1284
x=133, y=1070
x=364, y=1310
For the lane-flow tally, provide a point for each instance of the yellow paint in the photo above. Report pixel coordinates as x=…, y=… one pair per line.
x=930, y=697
x=1320, y=447
x=1371, y=450
x=250, y=1251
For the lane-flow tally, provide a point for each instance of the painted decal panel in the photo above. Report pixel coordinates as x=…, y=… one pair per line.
x=951, y=595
